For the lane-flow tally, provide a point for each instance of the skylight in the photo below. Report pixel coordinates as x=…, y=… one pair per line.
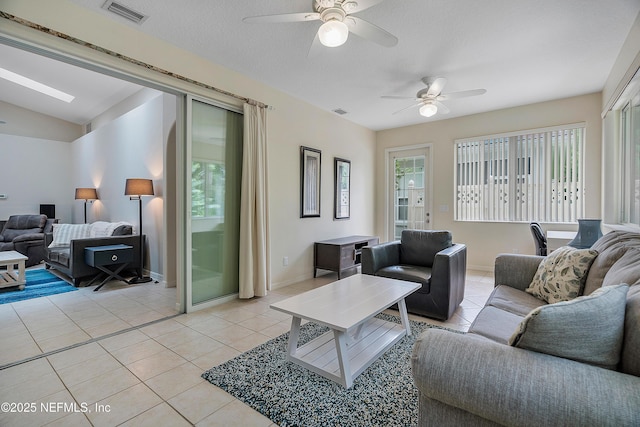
x=34, y=85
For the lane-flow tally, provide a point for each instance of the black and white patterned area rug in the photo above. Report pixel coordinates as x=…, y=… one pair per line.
x=290, y=395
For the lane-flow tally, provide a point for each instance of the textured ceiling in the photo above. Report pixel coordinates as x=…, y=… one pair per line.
x=520, y=51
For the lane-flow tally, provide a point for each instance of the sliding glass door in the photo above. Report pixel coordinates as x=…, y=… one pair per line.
x=214, y=155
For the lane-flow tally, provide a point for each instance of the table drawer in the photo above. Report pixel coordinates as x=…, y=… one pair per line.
x=107, y=255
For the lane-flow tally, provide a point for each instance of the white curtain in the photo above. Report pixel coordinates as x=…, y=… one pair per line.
x=255, y=274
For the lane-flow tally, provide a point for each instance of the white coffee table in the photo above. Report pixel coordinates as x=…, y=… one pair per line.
x=347, y=307
x=10, y=278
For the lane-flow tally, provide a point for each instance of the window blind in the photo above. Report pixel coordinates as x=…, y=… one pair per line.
x=534, y=175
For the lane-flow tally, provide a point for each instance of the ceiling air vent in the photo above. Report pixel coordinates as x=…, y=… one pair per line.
x=124, y=11
x=339, y=111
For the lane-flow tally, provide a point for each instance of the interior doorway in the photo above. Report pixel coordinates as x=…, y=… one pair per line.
x=409, y=190
x=46, y=325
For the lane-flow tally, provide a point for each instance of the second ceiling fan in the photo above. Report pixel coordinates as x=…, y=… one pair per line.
x=338, y=21
x=430, y=98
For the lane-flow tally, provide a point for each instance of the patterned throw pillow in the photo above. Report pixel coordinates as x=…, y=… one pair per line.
x=63, y=234
x=561, y=275
x=588, y=329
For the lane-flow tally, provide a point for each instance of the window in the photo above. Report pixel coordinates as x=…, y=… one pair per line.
x=534, y=175
x=207, y=189
x=630, y=161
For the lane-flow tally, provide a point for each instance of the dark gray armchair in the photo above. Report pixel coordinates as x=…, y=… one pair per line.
x=25, y=234
x=426, y=257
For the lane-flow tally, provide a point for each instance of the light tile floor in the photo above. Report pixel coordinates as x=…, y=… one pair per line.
x=149, y=376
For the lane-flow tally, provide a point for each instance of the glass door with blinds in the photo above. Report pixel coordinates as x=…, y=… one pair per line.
x=409, y=198
x=214, y=159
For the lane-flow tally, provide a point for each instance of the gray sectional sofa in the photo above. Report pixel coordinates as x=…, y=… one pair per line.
x=486, y=377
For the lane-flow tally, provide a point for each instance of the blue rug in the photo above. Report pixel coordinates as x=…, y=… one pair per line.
x=40, y=283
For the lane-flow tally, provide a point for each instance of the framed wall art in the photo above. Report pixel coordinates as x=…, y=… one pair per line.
x=342, y=188
x=310, y=163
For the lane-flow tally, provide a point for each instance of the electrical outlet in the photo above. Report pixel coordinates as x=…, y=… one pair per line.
x=285, y=261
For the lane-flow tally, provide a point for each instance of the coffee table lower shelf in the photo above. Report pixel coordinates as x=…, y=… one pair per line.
x=9, y=279
x=323, y=354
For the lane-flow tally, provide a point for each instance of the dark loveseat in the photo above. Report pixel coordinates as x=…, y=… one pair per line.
x=25, y=234
x=426, y=257
x=70, y=259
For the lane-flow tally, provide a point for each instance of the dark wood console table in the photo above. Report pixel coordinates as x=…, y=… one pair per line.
x=340, y=254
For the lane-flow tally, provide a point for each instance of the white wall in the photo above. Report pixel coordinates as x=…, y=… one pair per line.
x=296, y=124
x=23, y=122
x=35, y=171
x=485, y=240
x=131, y=146
x=624, y=68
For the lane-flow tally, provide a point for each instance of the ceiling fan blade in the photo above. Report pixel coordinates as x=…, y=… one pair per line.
x=461, y=94
x=285, y=17
x=410, y=106
x=359, y=5
x=398, y=97
x=435, y=85
x=368, y=31
x=441, y=107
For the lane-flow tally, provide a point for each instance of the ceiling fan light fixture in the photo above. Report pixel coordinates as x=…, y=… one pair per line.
x=428, y=110
x=333, y=33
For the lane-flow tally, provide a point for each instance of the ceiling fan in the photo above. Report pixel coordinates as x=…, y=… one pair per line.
x=338, y=22
x=430, y=97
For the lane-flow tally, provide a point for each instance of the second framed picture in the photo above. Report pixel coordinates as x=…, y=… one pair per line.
x=342, y=189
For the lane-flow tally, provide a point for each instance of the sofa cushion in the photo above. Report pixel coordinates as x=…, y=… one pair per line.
x=123, y=230
x=410, y=273
x=420, y=248
x=495, y=324
x=601, y=266
x=60, y=255
x=587, y=329
x=513, y=300
x=11, y=234
x=625, y=270
x=105, y=229
x=63, y=234
x=23, y=222
x=6, y=246
x=561, y=275
x=630, y=356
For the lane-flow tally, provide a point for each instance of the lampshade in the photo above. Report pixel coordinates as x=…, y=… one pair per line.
x=333, y=33
x=428, y=110
x=86, y=194
x=588, y=232
x=138, y=187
